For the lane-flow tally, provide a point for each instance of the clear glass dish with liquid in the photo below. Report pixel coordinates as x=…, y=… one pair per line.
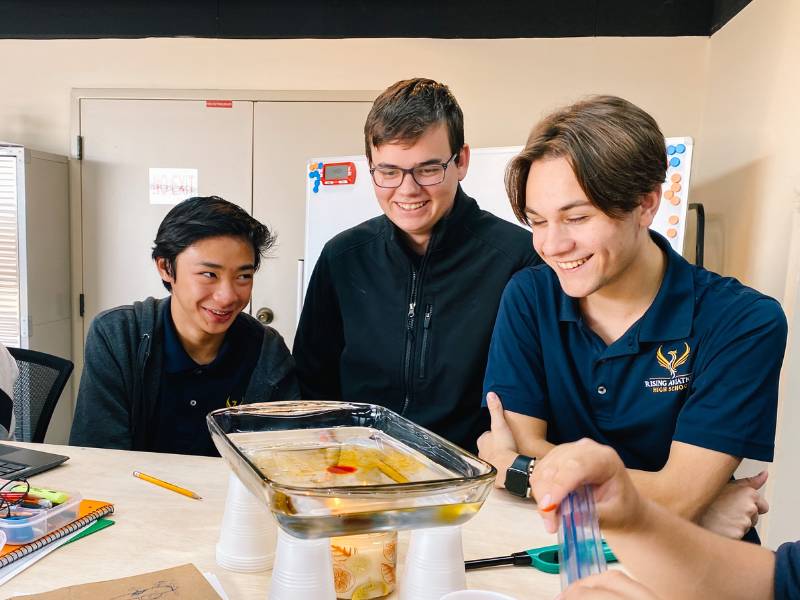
x=329, y=468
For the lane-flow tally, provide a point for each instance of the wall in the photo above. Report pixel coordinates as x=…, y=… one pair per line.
x=750, y=183
x=745, y=165
x=503, y=85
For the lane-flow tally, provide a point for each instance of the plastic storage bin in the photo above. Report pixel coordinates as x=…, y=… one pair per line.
x=43, y=521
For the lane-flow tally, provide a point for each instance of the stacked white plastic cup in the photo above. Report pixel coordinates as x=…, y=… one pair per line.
x=247, y=536
x=434, y=564
x=303, y=569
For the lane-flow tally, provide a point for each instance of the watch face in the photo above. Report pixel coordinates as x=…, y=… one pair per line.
x=518, y=474
x=517, y=482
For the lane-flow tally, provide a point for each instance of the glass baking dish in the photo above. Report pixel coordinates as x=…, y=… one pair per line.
x=329, y=468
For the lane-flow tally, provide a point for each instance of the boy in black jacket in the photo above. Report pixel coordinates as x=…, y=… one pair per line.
x=155, y=369
x=399, y=310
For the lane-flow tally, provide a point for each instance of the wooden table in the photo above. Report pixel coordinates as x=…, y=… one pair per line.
x=156, y=528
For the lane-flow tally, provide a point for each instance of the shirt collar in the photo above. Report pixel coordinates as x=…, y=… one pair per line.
x=176, y=359
x=671, y=314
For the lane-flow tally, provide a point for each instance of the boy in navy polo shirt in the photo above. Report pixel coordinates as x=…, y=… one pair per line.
x=619, y=339
x=153, y=370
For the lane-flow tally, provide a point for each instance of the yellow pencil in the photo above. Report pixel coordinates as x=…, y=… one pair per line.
x=166, y=485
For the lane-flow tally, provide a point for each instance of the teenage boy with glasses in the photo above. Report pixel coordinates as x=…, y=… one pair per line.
x=400, y=309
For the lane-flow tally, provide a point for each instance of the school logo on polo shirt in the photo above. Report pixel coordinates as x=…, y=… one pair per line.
x=231, y=402
x=671, y=360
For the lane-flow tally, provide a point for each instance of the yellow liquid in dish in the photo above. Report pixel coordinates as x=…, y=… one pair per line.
x=353, y=456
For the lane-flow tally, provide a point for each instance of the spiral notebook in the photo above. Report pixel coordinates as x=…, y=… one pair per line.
x=88, y=512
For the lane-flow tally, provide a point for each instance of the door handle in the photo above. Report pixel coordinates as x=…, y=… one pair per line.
x=265, y=315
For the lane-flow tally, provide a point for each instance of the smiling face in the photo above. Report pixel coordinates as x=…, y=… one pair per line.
x=416, y=209
x=589, y=251
x=212, y=284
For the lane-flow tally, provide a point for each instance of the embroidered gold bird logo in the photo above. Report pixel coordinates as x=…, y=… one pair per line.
x=230, y=403
x=674, y=360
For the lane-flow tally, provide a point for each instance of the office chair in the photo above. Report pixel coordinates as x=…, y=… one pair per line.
x=42, y=378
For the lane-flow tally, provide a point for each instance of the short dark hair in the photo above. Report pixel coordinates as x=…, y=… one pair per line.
x=615, y=148
x=203, y=217
x=405, y=110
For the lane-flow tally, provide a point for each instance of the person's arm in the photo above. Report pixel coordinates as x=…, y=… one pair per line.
x=673, y=557
x=515, y=372
x=319, y=341
x=102, y=411
x=512, y=434
x=708, y=471
x=499, y=446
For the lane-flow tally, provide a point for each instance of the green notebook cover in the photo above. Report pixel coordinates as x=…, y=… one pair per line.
x=99, y=524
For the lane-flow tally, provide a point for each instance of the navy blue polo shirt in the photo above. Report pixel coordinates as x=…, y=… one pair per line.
x=701, y=366
x=189, y=391
x=787, y=572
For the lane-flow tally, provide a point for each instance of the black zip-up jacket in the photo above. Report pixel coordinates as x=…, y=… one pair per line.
x=124, y=356
x=380, y=325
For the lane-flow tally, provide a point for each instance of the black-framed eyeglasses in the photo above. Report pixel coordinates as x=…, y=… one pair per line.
x=424, y=175
x=13, y=493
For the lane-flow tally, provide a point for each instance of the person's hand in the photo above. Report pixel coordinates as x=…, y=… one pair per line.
x=497, y=446
x=569, y=466
x=735, y=511
x=611, y=585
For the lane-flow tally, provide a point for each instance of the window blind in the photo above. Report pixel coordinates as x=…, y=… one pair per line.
x=9, y=264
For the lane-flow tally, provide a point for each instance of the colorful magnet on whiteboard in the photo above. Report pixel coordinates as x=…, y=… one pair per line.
x=670, y=150
x=676, y=177
x=674, y=161
x=671, y=233
x=681, y=148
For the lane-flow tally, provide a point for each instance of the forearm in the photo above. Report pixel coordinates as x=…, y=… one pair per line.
x=652, y=486
x=680, y=560
x=690, y=481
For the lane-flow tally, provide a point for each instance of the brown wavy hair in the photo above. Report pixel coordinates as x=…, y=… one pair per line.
x=615, y=148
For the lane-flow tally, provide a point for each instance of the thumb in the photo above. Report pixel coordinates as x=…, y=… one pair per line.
x=496, y=412
x=756, y=481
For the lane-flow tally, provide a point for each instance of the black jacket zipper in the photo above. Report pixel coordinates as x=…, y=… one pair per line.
x=412, y=304
x=426, y=323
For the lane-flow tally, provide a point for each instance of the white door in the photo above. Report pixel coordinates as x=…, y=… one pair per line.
x=122, y=141
x=286, y=136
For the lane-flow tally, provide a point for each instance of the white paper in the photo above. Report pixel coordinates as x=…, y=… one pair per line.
x=170, y=186
x=23, y=563
x=215, y=583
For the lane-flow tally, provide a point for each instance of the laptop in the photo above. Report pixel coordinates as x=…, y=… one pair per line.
x=21, y=463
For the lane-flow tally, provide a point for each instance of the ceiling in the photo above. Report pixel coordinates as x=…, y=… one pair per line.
x=49, y=19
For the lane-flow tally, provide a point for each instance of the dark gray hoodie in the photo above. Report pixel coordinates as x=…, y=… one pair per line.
x=122, y=371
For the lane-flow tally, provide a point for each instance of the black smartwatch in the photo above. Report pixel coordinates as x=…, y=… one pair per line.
x=518, y=476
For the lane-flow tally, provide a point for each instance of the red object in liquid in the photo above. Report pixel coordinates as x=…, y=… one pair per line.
x=341, y=469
